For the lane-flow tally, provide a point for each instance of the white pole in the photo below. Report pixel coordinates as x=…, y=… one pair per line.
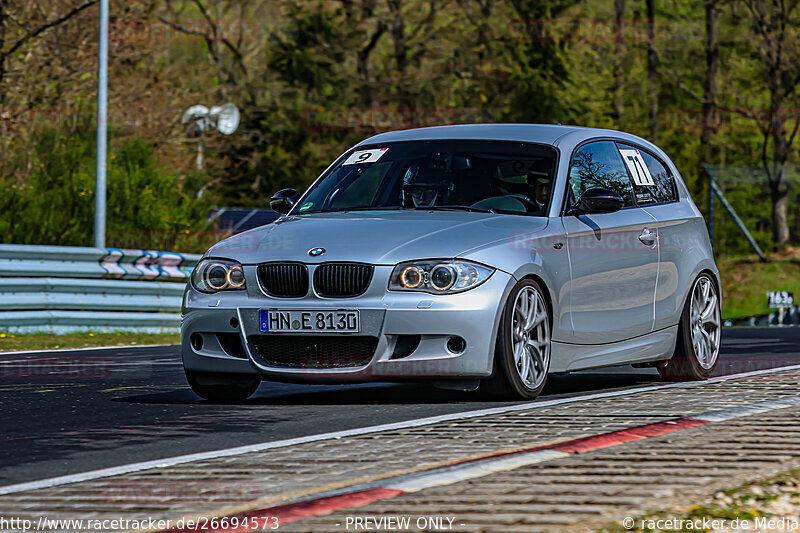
x=102, y=112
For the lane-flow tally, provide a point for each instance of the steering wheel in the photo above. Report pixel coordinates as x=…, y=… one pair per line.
x=530, y=205
x=523, y=201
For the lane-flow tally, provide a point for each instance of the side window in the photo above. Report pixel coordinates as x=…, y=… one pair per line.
x=599, y=164
x=652, y=182
x=664, y=189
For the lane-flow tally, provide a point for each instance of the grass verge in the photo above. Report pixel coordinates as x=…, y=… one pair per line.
x=746, y=280
x=11, y=342
x=770, y=505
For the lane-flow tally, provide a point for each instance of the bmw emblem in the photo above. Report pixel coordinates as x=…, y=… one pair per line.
x=314, y=252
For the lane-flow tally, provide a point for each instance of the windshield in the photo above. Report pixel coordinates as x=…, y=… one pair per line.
x=485, y=176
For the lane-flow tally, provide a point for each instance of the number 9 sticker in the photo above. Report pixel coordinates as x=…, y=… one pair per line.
x=365, y=156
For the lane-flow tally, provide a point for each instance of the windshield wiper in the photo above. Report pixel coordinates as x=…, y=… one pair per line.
x=453, y=208
x=346, y=209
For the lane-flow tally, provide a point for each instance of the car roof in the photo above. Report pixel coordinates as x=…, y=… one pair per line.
x=538, y=133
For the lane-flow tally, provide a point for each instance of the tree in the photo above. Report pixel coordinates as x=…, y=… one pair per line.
x=652, y=71
x=617, y=89
x=536, y=63
x=710, y=97
x=360, y=15
x=27, y=31
x=775, y=24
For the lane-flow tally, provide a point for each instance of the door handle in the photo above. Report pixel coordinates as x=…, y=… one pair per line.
x=647, y=237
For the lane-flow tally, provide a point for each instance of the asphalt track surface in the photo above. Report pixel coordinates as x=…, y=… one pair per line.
x=74, y=411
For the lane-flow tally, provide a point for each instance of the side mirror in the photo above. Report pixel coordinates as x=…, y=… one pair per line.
x=283, y=200
x=598, y=201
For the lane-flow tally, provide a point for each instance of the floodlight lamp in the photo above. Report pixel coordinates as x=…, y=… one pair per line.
x=195, y=120
x=226, y=118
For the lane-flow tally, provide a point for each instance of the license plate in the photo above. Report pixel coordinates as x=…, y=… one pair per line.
x=330, y=321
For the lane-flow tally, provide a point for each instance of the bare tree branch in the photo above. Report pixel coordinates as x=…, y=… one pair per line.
x=44, y=27
x=208, y=40
x=215, y=29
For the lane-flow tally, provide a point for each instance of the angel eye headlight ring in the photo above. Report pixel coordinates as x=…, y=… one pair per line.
x=214, y=275
x=411, y=277
x=235, y=277
x=442, y=277
x=438, y=276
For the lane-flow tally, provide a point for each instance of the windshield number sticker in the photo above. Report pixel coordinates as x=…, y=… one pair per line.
x=365, y=156
x=639, y=171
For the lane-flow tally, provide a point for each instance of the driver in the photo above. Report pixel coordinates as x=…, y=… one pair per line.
x=424, y=196
x=542, y=190
x=422, y=190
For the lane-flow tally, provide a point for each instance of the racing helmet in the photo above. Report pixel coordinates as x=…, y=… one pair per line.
x=424, y=187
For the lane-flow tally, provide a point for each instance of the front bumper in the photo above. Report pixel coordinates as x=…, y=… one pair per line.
x=387, y=316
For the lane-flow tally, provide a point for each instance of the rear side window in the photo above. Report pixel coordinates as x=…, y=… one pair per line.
x=652, y=183
x=599, y=165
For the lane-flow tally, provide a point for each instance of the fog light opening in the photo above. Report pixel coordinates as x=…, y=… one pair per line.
x=405, y=346
x=197, y=341
x=456, y=345
x=235, y=323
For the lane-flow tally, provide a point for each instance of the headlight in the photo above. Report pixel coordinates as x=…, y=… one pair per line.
x=213, y=275
x=438, y=276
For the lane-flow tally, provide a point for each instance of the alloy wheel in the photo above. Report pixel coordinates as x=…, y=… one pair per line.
x=704, y=319
x=530, y=337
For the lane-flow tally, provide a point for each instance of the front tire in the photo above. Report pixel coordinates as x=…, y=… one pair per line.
x=222, y=388
x=697, y=349
x=522, y=354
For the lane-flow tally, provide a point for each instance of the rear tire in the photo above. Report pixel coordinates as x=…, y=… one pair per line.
x=697, y=348
x=522, y=352
x=223, y=388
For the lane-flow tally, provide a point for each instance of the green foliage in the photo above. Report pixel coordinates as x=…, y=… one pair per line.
x=745, y=283
x=307, y=54
x=313, y=77
x=55, y=204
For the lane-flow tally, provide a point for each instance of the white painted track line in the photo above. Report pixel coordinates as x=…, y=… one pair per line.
x=87, y=349
x=448, y=476
x=227, y=452
x=747, y=410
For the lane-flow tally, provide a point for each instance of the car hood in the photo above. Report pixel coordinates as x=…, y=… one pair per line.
x=380, y=238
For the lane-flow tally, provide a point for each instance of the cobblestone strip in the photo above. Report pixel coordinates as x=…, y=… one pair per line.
x=578, y=493
x=324, y=504
x=232, y=484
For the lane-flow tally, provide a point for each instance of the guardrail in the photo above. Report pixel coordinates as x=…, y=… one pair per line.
x=788, y=316
x=61, y=289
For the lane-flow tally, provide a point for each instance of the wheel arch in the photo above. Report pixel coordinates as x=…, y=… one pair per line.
x=548, y=298
x=717, y=285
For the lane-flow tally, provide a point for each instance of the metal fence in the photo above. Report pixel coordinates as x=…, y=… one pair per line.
x=59, y=289
x=747, y=192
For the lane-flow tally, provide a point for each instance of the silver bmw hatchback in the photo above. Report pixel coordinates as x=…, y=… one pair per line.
x=474, y=256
